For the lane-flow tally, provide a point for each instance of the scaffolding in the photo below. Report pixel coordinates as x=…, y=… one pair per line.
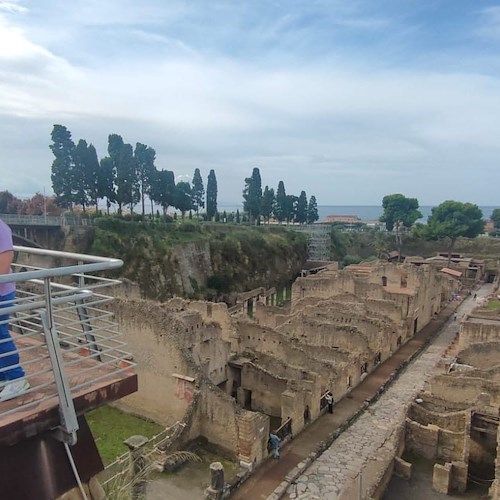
x=318, y=239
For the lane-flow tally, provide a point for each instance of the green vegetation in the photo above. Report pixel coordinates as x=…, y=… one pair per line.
x=493, y=305
x=451, y=220
x=242, y=257
x=110, y=427
x=399, y=212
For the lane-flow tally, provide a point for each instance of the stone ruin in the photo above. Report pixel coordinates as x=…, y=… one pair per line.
x=231, y=379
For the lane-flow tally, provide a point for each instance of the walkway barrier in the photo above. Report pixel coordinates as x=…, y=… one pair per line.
x=45, y=220
x=67, y=339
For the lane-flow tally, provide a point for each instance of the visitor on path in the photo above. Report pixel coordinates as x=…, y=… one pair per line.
x=274, y=442
x=329, y=401
x=454, y=316
x=12, y=376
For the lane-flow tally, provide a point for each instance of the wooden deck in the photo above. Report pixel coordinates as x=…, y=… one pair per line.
x=37, y=410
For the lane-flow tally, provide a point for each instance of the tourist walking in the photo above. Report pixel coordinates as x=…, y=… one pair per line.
x=274, y=442
x=329, y=401
x=12, y=376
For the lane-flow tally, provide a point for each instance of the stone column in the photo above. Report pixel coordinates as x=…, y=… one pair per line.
x=137, y=465
x=216, y=488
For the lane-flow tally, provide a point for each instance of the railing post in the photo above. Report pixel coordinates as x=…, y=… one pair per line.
x=137, y=465
x=84, y=318
x=67, y=414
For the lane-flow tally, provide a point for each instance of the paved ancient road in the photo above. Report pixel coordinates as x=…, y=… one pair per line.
x=271, y=474
x=349, y=466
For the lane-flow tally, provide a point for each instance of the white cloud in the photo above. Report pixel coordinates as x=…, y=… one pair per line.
x=344, y=132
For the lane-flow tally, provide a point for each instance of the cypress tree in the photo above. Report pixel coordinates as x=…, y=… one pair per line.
x=211, y=195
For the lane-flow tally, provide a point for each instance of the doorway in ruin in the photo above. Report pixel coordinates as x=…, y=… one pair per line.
x=415, y=326
x=482, y=449
x=247, y=399
x=235, y=377
x=250, y=308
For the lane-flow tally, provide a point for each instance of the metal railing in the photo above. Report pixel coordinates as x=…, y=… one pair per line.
x=45, y=220
x=67, y=340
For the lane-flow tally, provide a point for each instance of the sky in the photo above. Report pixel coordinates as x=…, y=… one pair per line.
x=348, y=100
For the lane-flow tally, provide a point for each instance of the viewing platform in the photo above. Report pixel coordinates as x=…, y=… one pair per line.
x=73, y=355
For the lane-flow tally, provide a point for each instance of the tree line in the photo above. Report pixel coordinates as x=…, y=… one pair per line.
x=283, y=207
x=125, y=177
x=448, y=221
x=128, y=176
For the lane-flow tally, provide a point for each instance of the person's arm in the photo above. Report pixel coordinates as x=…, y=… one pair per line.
x=6, y=261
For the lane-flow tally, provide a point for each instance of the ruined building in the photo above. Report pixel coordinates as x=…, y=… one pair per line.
x=232, y=378
x=454, y=423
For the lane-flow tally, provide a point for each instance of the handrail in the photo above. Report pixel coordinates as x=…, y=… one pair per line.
x=94, y=263
x=67, y=340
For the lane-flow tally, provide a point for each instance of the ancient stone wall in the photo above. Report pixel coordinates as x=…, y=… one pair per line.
x=266, y=389
x=452, y=421
x=150, y=332
x=475, y=331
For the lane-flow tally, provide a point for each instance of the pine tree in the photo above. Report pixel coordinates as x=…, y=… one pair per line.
x=145, y=164
x=302, y=208
x=198, y=192
x=183, y=197
x=267, y=204
x=79, y=178
x=211, y=195
x=312, y=210
x=291, y=208
x=163, y=189
x=252, y=195
x=62, y=167
x=107, y=181
x=93, y=176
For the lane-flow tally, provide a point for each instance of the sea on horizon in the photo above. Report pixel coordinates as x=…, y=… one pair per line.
x=364, y=212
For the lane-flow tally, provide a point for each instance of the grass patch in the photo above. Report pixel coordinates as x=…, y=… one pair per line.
x=110, y=427
x=493, y=305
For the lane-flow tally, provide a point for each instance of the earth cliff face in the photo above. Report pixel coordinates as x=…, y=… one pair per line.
x=194, y=260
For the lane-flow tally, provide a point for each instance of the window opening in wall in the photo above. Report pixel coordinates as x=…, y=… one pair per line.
x=384, y=280
x=364, y=368
x=348, y=381
x=415, y=323
x=399, y=340
x=377, y=359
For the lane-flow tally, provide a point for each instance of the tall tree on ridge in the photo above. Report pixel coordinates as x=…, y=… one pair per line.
x=79, y=179
x=291, y=203
x=93, y=176
x=312, y=210
x=211, y=195
x=63, y=166
x=198, y=192
x=302, y=208
x=183, y=197
x=252, y=195
x=280, y=203
x=451, y=220
x=107, y=175
x=399, y=212
x=267, y=204
x=145, y=165
x=163, y=189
